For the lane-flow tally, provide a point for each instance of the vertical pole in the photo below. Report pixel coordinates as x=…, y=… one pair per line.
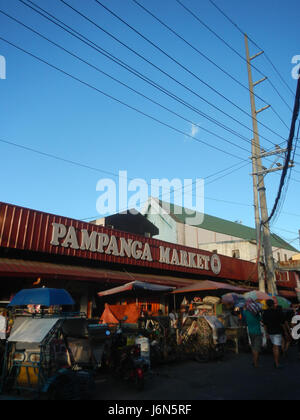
x=268, y=252
x=261, y=274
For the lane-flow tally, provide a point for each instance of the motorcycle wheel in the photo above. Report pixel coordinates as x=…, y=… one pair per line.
x=203, y=357
x=139, y=383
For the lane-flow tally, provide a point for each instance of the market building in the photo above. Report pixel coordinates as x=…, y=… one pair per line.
x=212, y=234
x=39, y=249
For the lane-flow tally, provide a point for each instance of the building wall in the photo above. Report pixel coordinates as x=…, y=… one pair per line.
x=195, y=237
x=167, y=228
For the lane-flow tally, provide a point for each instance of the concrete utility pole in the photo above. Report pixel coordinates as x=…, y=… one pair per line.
x=259, y=186
x=261, y=271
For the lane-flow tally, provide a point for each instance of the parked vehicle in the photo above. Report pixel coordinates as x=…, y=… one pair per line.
x=125, y=358
x=39, y=361
x=48, y=354
x=202, y=338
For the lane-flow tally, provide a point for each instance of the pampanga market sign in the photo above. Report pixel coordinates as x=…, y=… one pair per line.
x=116, y=245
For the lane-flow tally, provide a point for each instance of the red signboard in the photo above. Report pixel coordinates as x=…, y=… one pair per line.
x=25, y=229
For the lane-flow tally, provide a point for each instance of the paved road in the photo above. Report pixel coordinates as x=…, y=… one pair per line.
x=233, y=378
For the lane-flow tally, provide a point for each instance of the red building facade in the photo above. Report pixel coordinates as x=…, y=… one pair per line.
x=37, y=246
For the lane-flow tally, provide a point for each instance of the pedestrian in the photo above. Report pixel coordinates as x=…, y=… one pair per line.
x=173, y=318
x=297, y=313
x=274, y=323
x=252, y=317
x=287, y=336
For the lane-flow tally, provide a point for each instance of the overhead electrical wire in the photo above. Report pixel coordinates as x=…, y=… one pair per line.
x=118, y=100
x=206, y=57
x=289, y=152
x=254, y=43
x=65, y=160
x=178, y=63
x=127, y=67
x=47, y=39
x=95, y=169
x=284, y=194
x=228, y=45
x=108, y=55
x=128, y=86
x=122, y=20
x=122, y=83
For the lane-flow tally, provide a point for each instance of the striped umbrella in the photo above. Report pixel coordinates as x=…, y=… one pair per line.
x=257, y=295
x=233, y=299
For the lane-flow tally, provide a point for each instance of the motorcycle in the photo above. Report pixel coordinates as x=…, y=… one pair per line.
x=125, y=360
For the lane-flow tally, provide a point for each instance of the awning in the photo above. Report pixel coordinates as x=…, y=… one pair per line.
x=34, y=269
x=207, y=285
x=137, y=286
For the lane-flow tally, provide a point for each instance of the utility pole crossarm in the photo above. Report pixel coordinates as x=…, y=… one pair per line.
x=263, y=109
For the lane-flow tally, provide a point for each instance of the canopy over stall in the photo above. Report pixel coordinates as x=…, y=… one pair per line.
x=207, y=285
x=146, y=297
x=137, y=286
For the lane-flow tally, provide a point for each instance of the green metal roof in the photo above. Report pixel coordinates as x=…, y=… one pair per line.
x=215, y=224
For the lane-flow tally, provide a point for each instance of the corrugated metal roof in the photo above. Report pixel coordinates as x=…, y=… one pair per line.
x=218, y=225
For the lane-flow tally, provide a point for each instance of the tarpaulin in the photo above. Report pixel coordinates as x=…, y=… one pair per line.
x=114, y=313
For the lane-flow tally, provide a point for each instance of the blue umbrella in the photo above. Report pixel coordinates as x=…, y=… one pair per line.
x=43, y=297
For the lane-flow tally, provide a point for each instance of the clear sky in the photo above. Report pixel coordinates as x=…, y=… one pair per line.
x=45, y=110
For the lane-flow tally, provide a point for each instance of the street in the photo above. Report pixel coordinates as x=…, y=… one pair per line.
x=234, y=378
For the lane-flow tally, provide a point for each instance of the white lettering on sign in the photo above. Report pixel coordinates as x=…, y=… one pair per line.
x=103, y=243
x=190, y=259
x=99, y=242
x=59, y=231
x=215, y=264
x=88, y=242
x=71, y=239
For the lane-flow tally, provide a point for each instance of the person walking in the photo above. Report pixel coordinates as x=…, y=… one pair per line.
x=252, y=317
x=274, y=323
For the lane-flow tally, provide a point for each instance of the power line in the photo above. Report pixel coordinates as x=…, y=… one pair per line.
x=139, y=111
x=119, y=101
x=254, y=43
x=289, y=147
x=179, y=64
x=226, y=43
x=89, y=167
x=111, y=57
x=135, y=72
x=66, y=50
x=87, y=85
x=206, y=57
x=122, y=83
x=284, y=195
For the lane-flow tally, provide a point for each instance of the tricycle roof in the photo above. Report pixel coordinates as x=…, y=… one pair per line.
x=33, y=330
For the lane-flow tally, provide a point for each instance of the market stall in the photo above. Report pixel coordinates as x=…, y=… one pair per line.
x=149, y=298
x=202, y=302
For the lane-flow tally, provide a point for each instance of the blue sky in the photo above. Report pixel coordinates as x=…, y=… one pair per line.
x=45, y=110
